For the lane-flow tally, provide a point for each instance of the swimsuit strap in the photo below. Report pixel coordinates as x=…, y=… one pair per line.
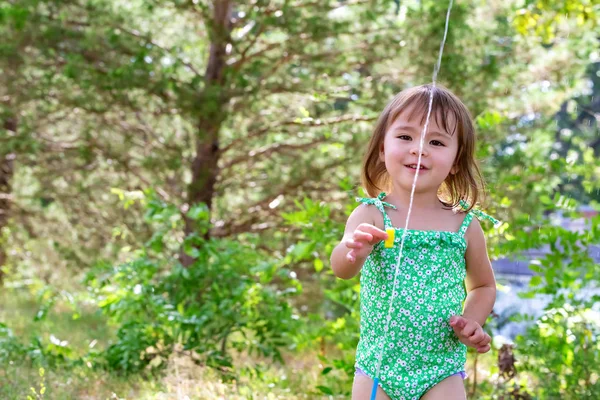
x=380, y=204
x=479, y=214
x=465, y=223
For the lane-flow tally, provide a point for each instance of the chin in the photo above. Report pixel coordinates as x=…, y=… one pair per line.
x=420, y=187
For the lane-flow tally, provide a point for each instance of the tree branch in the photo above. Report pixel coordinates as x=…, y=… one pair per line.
x=304, y=4
x=153, y=43
x=243, y=58
x=256, y=211
x=238, y=64
x=307, y=122
x=278, y=147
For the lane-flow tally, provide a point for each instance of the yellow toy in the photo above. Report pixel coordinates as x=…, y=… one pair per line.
x=389, y=242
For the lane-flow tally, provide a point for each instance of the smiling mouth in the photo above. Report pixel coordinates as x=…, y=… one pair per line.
x=414, y=166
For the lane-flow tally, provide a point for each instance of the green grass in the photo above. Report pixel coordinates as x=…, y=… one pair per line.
x=182, y=379
x=18, y=379
x=18, y=309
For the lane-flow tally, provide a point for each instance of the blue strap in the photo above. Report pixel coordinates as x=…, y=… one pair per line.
x=374, y=391
x=380, y=204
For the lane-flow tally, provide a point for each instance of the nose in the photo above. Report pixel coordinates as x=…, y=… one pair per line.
x=415, y=150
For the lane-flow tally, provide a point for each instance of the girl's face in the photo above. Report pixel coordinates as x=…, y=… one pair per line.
x=400, y=152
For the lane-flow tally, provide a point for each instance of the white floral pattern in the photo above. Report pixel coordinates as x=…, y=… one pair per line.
x=420, y=347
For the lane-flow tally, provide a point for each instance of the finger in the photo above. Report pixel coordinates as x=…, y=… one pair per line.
x=362, y=236
x=469, y=328
x=486, y=340
x=458, y=322
x=351, y=256
x=484, y=349
x=352, y=244
x=480, y=338
x=477, y=336
x=375, y=232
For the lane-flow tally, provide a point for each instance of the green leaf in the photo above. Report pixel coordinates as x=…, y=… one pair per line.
x=325, y=390
x=318, y=265
x=526, y=295
x=535, y=280
x=198, y=212
x=546, y=199
x=302, y=250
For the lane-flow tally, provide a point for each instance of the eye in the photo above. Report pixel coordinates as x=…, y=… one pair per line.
x=404, y=137
x=436, y=143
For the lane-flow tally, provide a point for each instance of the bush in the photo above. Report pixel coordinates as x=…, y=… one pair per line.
x=231, y=297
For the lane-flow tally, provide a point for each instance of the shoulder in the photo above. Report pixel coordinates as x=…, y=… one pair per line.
x=455, y=218
x=365, y=213
x=474, y=234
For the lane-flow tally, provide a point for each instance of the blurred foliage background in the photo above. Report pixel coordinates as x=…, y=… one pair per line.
x=174, y=175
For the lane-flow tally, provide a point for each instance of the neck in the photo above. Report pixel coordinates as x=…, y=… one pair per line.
x=427, y=200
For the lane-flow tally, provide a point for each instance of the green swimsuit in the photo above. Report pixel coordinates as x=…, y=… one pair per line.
x=420, y=348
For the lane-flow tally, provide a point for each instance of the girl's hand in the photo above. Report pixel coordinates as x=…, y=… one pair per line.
x=471, y=333
x=363, y=239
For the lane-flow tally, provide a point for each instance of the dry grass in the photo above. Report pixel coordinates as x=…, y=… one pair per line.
x=181, y=379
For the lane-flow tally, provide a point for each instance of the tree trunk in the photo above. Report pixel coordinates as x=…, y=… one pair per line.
x=213, y=101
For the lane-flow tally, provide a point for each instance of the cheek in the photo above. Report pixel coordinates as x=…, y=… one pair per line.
x=388, y=150
x=448, y=153
x=393, y=156
x=447, y=156
x=393, y=149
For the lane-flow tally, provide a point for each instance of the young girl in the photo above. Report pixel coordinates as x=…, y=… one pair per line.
x=444, y=264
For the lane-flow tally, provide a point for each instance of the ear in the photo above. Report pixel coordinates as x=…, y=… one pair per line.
x=454, y=169
x=381, y=153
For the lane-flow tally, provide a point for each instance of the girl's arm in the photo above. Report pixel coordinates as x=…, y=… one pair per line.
x=480, y=281
x=359, y=236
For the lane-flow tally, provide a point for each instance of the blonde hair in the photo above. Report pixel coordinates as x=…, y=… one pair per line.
x=467, y=184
